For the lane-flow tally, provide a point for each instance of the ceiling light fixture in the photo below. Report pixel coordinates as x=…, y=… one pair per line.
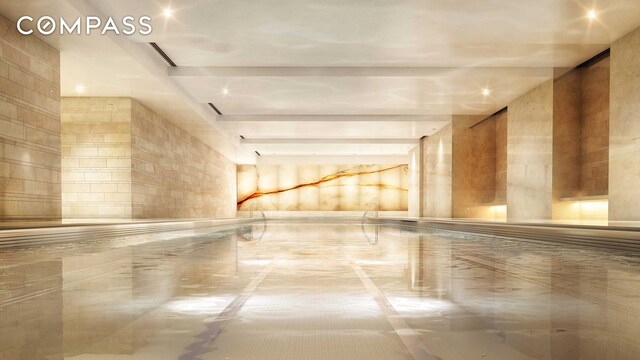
x=80, y=89
x=486, y=92
x=168, y=12
x=592, y=14
x=225, y=91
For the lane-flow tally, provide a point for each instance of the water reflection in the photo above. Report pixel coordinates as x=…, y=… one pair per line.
x=317, y=291
x=516, y=300
x=253, y=232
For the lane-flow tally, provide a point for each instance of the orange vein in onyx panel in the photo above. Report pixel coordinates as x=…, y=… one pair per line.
x=338, y=175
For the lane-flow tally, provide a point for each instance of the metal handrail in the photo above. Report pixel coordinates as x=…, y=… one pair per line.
x=257, y=207
x=377, y=227
x=252, y=208
x=376, y=209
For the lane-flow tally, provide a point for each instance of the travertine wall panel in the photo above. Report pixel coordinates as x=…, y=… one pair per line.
x=581, y=132
x=567, y=112
x=122, y=160
x=624, y=150
x=581, y=140
x=529, y=155
x=594, y=169
x=501, y=157
x=29, y=126
x=415, y=182
x=437, y=168
x=175, y=175
x=96, y=157
x=474, y=165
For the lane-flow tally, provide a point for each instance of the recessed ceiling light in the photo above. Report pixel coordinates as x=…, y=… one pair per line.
x=80, y=89
x=592, y=14
x=486, y=92
x=168, y=12
x=225, y=91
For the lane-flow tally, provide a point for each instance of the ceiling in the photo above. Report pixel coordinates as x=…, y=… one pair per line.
x=332, y=77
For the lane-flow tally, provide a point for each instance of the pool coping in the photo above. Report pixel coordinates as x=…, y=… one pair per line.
x=609, y=237
x=44, y=235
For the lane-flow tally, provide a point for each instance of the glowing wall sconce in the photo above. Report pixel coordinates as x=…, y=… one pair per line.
x=498, y=212
x=591, y=209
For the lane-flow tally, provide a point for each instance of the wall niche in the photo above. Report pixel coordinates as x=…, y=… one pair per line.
x=581, y=141
x=480, y=167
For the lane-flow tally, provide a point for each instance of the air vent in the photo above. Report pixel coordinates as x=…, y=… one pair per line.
x=163, y=54
x=215, y=108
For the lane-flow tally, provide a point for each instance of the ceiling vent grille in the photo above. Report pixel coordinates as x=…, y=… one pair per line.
x=163, y=54
x=215, y=108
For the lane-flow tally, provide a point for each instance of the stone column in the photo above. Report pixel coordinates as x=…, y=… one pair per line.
x=415, y=181
x=529, y=155
x=624, y=129
x=437, y=168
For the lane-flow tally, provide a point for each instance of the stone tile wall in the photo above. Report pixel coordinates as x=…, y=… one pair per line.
x=474, y=165
x=29, y=126
x=567, y=113
x=437, y=168
x=529, y=155
x=501, y=157
x=580, y=140
x=581, y=132
x=175, y=175
x=96, y=157
x=624, y=127
x=415, y=179
x=122, y=160
x=594, y=170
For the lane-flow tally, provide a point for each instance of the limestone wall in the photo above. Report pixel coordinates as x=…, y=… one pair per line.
x=529, y=155
x=624, y=150
x=175, y=175
x=96, y=158
x=122, y=160
x=29, y=126
x=437, y=167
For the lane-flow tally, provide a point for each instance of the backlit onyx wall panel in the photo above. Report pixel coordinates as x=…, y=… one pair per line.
x=323, y=187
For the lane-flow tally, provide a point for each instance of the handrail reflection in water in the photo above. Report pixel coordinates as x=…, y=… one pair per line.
x=377, y=227
x=250, y=227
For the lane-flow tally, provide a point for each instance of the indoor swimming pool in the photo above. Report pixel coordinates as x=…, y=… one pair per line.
x=317, y=290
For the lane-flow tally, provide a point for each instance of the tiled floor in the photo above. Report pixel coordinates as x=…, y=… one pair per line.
x=317, y=291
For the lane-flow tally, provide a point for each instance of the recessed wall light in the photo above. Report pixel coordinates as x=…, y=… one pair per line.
x=168, y=12
x=486, y=92
x=80, y=89
x=592, y=14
